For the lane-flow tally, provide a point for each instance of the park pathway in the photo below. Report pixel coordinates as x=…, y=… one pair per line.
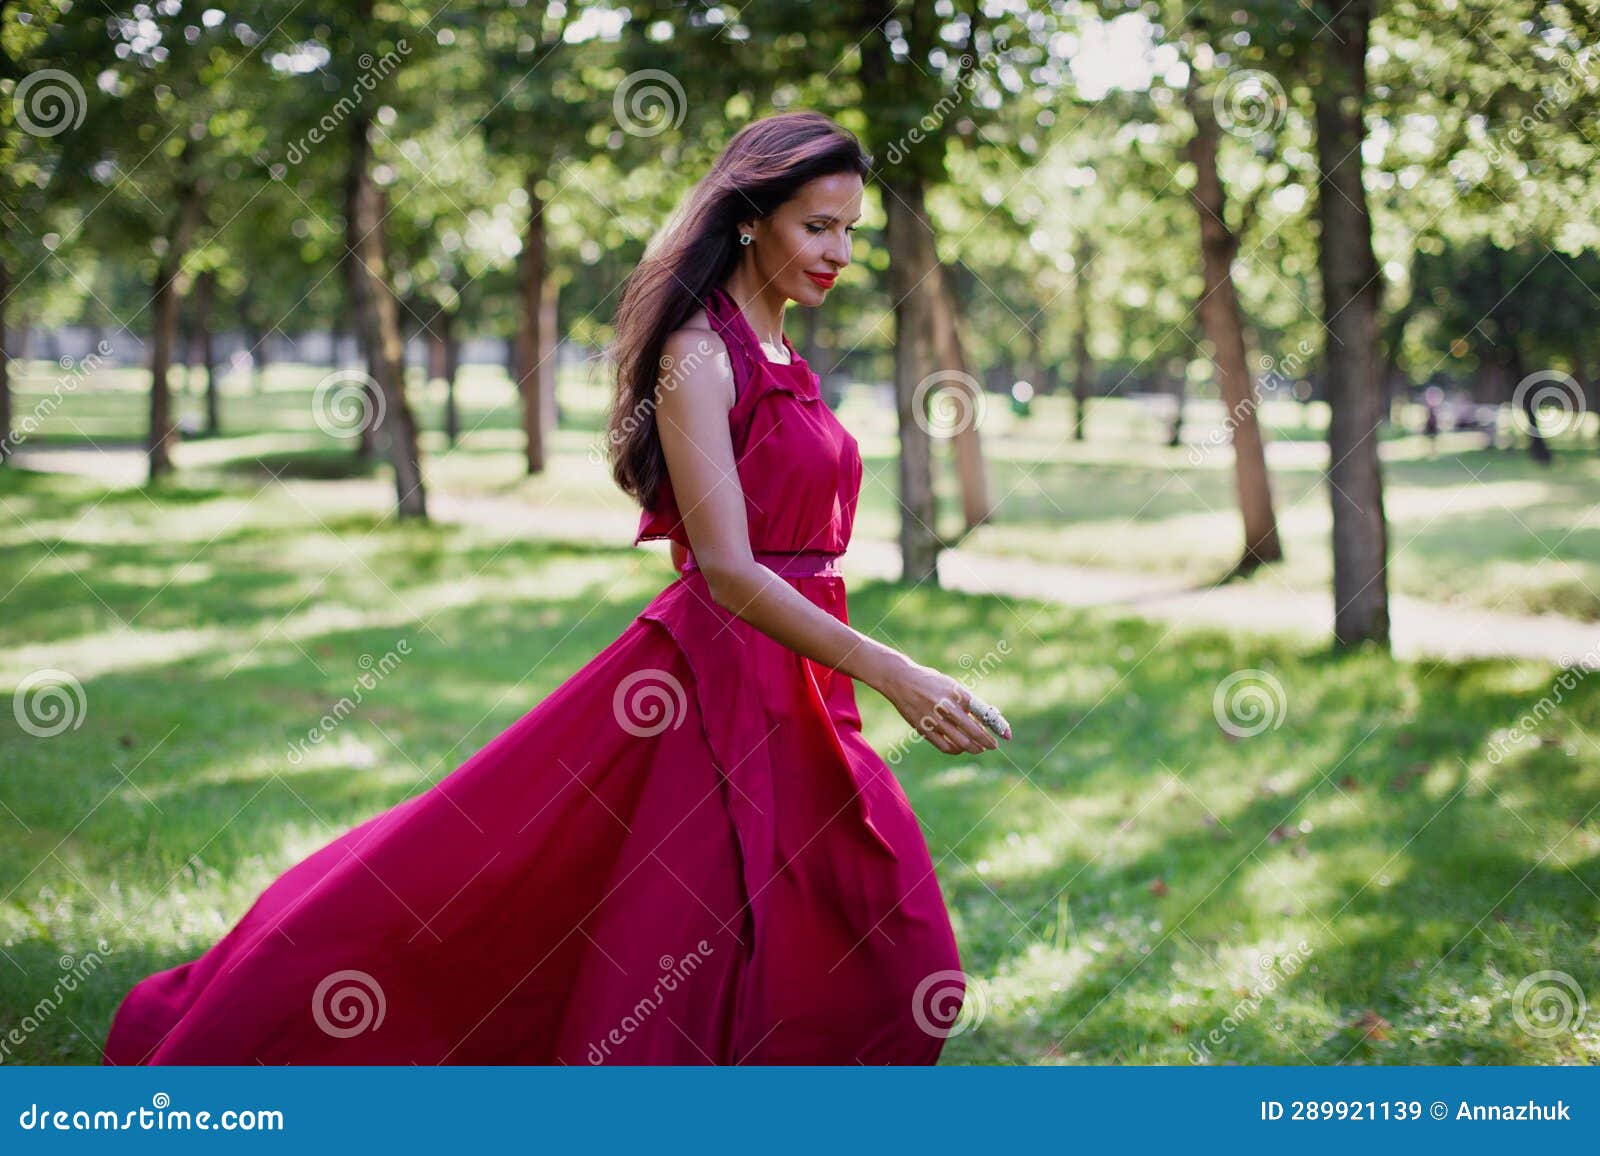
x=1419, y=629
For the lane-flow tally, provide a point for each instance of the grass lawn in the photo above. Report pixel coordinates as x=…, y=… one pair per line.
x=1130, y=881
x=1476, y=527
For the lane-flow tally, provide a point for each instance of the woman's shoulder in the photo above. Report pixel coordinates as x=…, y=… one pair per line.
x=696, y=353
x=697, y=335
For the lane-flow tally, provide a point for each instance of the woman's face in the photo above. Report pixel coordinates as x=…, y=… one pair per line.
x=803, y=245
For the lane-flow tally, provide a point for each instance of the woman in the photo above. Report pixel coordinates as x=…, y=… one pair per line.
x=687, y=853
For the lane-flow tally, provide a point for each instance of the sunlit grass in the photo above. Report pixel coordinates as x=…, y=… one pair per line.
x=1121, y=876
x=1477, y=527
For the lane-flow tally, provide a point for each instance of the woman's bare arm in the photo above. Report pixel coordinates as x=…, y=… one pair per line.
x=693, y=400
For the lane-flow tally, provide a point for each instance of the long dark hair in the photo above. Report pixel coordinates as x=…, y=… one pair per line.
x=697, y=250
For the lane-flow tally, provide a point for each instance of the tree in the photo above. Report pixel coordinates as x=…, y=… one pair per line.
x=1350, y=300
x=1223, y=319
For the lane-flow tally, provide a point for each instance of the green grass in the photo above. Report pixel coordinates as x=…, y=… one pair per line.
x=1475, y=527
x=1117, y=874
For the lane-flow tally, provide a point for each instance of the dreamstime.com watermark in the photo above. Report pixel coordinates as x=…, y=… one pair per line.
x=948, y=1003
x=1572, y=673
x=48, y=702
x=648, y=702
x=973, y=671
x=347, y=704
x=673, y=972
x=1548, y=1004
x=1579, y=76
x=49, y=102
x=931, y=121
x=1278, y=969
x=1275, y=375
x=649, y=102
x=73, y=373
x=348, y=401
x=673, y=373
x=347, y=1003
x=156, y=1118
x=75, y=970
x=947, y=403
x=1247, y=702
x=1541, y=392
x=1250, y=101
x=373, y=70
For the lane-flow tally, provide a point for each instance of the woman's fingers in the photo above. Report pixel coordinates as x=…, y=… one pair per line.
x=933, y=732
x=968, y=729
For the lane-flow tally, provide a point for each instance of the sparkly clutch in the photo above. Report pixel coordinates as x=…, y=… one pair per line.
x=990, y=717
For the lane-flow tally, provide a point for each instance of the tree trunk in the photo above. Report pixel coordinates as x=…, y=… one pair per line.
x=354, y=280
x=1223, y=319
x=1180, y=392
x=379, y=319
x=1586, y=399
x=205, y=286
x=452, y=369
x=1350, y=293
x=257, y=336
x=1082, y=366
x=976, y=506
x=909, y=239
x=1033, y=369
x=433, y=334
x=442, y=355
x=531, y=339
x=1538, y=448
x=166, y=304
x=550, y=413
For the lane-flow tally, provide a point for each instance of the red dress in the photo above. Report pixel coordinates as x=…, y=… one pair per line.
x=686, y=854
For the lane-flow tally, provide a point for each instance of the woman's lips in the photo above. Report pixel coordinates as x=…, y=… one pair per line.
x=825, y=280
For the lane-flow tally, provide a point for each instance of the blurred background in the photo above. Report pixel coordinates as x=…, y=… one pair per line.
x=1225, y=377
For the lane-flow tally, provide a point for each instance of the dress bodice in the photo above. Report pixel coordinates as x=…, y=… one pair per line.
x=799, y=467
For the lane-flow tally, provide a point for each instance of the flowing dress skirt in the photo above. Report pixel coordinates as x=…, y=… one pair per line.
x=686, y=854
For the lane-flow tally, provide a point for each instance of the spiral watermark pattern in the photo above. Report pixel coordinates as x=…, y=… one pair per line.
x=1548, y=1003
x=948, y=1003
x=1248, y=702
x=347, y=402
x=947, y=403
x=77, y=972
x=1250, y=101
x=49, y=102
x=1544, y=390
x=48, y=702
x=352, y=998
x=649, y=701
x=649, y=102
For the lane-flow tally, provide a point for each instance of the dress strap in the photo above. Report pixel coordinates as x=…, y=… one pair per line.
x=730, y=323
x=744, y=351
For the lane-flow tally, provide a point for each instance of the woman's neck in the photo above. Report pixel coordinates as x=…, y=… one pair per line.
x=763, y=308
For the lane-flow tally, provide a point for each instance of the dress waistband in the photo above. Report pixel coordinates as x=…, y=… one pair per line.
x=788, y=563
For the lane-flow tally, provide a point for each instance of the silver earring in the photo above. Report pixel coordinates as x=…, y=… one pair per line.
x=744, y=238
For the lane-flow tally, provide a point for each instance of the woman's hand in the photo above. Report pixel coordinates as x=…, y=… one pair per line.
x=936, y=705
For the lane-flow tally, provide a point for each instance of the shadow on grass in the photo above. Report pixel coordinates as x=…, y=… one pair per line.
x=1114, y=872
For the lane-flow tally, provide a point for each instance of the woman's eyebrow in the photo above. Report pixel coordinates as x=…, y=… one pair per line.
x=831, y=217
